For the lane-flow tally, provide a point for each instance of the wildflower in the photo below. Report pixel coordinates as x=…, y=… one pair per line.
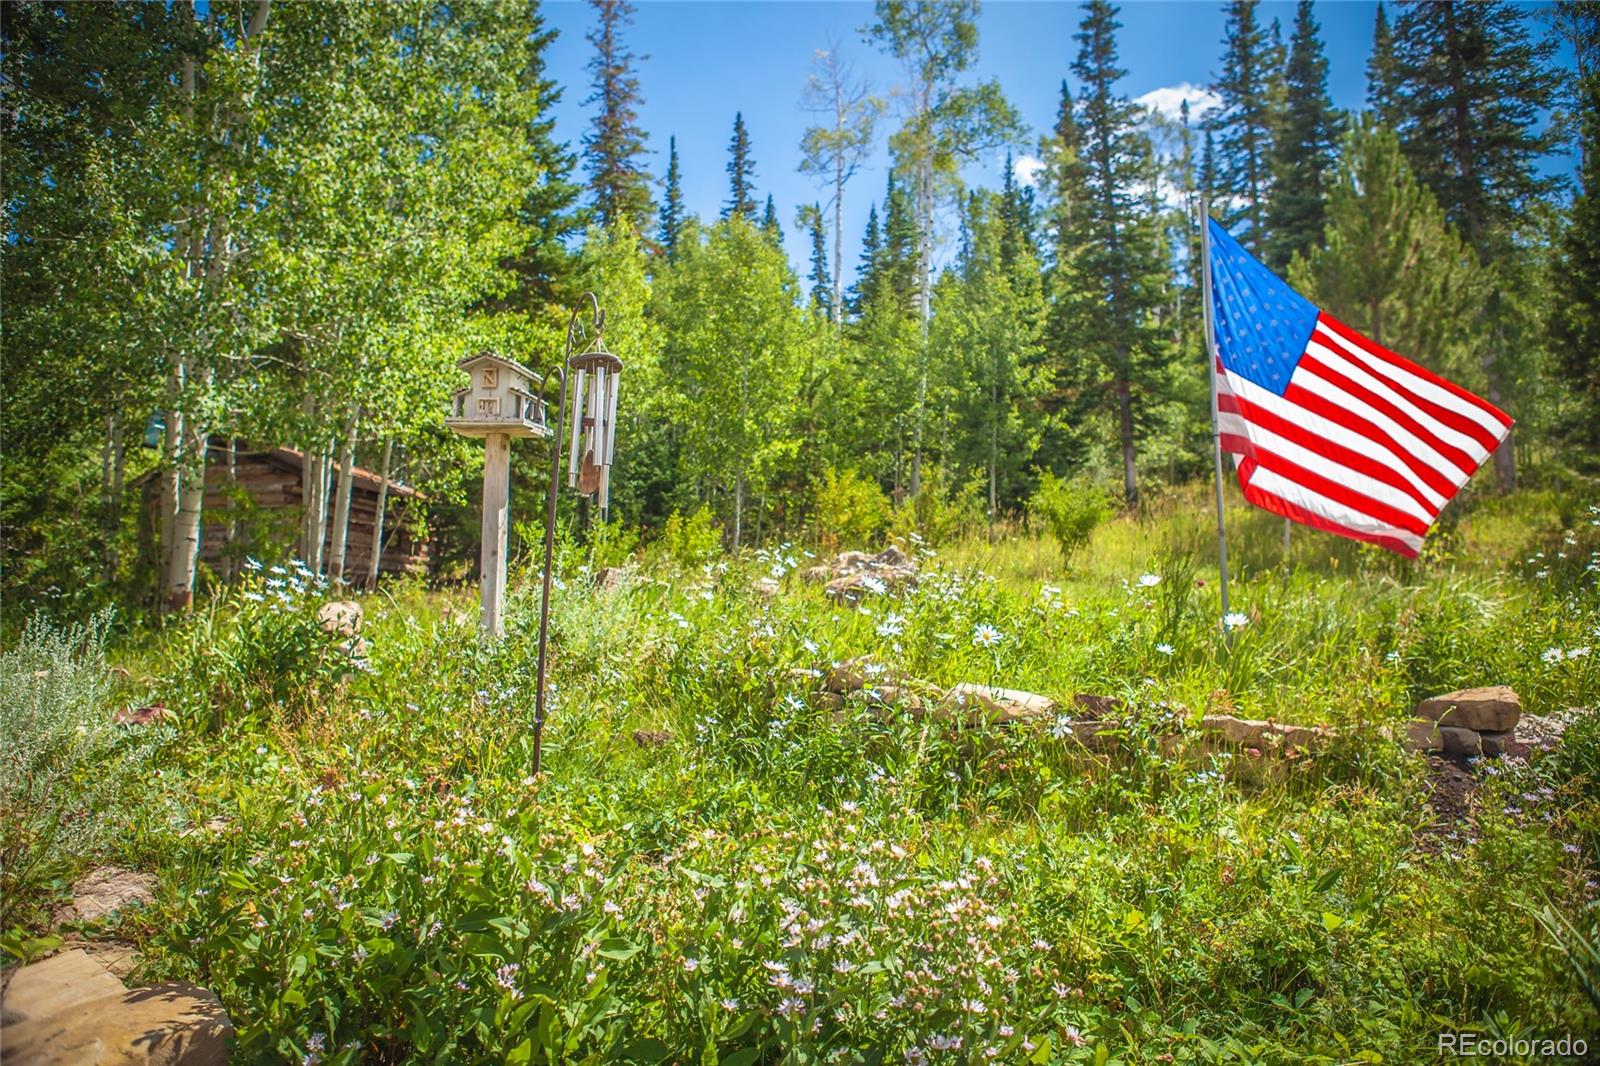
x=1552, y=655
x=1164, y=649
x=944, y=1043
x=308, y=914
x=506, y=978
x=1235, y=620
x=1570, y=849
x=872, y=584
x=690, y=965
x=1149, y=580
x=388, y=918
x=1072, y=1036
x=792, y=1008
x=730, y=1004
x=891, y=626
x=359, y=954
x=986, y=636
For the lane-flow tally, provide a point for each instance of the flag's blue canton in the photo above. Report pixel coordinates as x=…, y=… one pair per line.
x=1261, y=324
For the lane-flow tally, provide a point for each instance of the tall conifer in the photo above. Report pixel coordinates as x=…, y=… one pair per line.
x=614, y=147
x=672, y=215
x=1305, y=149
x=741, y=173
x=1244, y=123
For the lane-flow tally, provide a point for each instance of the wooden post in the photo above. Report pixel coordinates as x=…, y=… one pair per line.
x=496, y=501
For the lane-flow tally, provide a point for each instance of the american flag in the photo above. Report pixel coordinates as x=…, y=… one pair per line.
x=1328, y=428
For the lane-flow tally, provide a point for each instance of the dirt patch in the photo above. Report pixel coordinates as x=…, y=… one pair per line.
x=1451, y=787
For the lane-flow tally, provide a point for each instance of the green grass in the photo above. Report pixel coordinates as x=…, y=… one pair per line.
x=780, y=883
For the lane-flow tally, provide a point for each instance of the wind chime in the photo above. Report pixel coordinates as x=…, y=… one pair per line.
x=589, y=455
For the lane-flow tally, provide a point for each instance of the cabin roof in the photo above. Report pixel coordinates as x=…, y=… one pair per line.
x=294, y=459
x=499, y=360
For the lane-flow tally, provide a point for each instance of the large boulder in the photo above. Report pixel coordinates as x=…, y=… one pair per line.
x=69, y=1010
x=1494, y=709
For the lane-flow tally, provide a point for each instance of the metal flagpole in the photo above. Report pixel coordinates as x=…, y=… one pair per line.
x=1216, y=430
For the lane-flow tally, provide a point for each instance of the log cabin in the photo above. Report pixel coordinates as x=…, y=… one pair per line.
x=253, y=509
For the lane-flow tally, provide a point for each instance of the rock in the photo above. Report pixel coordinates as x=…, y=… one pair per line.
x=1236, y=730
x=987, y=703
x=154, y=713
x=849, y=562
x=1298, y=737
x=1422, y=735
x=765, y=586
x=854, y=674
x=652, y=738
x=343, y=617
x=853, y=586
x=1496, y=745
x=891, y=556
x=610, y=577
x=1099, y=706
x=107, y=890
x=1095, y=736
x=1494, y=709
x=816, y=575
x=1459, y=741
x=69, y=1010
x=1545, y=731
x=117, y=957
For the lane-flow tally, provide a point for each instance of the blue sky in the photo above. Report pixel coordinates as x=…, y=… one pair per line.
x=708, y=60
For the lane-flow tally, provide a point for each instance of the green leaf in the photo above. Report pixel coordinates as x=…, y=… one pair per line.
x=743, y=1057
x=1331, y=921
x=521, y=1054
x=618, y=949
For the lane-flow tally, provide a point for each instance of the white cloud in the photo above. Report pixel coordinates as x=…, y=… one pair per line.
x=1168, y=101
x=1025, y=168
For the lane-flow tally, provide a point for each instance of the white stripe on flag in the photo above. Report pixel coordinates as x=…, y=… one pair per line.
x=1419, y=386
x=1326, y=428
x=1401, y=436
x=1357, y=373
x=1274, y=484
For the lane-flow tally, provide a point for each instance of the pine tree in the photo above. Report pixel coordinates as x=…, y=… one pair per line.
x=1016, y=217
x=866, y=284
x=769, y=223
x=1118, y=246
x=900, y=256
x=1575, y=322
x=1305, y=149
x=550, y=213
x=673, y=216
x=1244, y=123
x=741, y=174
x=810, y=220
x=1381, y=75
x=1393, y=267
x=1472, y=88
x=1062, y=153
x=614, y=147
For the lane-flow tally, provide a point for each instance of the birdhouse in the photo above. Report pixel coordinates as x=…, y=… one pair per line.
x=594, y=423
x=498, y=399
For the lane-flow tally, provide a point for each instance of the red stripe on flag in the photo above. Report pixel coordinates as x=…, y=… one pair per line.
x=1335, y=452
x=1282, y=507
x=1342, y=416
x=1311, y=364
x=1381, y=368
x=1378, y=351
x=1341, y=493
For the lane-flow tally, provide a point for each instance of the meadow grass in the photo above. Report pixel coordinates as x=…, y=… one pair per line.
x=716, y=868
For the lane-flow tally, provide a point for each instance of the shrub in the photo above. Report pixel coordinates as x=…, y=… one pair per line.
x=941, y=512
x=691, y=541
x=1070, y=510
x=64, y=762
x=611, y=544
x=263, y=651
x=849, y=509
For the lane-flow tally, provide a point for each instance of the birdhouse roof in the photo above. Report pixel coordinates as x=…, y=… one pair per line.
x=481, y=358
